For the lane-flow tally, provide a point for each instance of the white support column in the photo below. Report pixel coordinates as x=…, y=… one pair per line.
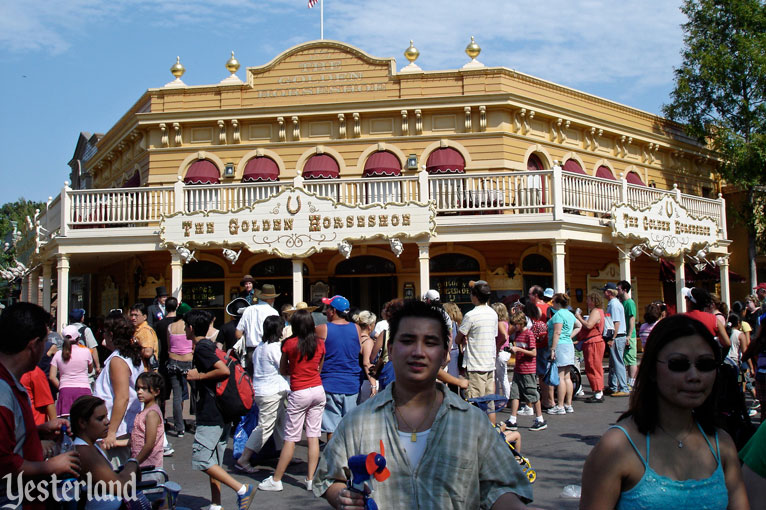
x=557, y=194
x=34, y=287
x=47, y=280
x=624, y=257
x=297, y=281
x=680, y=283
x=725, y=289
x=425, y=269
x=559, y=259
x=176, y=275
x=62, y=310
x=25, y=283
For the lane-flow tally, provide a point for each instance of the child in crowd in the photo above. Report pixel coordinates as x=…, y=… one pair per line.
x=148, y=429
x=212, y=432
x=39, y=391
x=524, y=379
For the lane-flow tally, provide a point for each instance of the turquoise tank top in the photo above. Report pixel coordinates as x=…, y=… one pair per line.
x=656, y=491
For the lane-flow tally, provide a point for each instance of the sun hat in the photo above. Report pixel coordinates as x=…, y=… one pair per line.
x=247, y=278
x=302, y=305
x=338, y=302
x=548, y=293
x=267, y=291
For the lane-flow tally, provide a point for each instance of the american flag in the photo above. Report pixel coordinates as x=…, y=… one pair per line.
x=312, y=3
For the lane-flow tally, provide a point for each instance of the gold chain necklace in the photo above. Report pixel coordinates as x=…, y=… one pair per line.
x=413, y=433
x=680, y=441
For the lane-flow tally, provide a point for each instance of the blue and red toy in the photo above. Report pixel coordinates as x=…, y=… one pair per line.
x=363, y=467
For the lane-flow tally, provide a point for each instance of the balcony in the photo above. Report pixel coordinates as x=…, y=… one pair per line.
x=513, y=197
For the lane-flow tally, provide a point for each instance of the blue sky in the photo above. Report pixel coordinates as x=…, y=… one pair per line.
x=78, y=65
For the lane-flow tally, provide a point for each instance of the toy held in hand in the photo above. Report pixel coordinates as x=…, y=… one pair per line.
x=363, y=467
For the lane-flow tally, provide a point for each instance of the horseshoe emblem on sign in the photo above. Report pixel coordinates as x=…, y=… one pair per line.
x=289, y=209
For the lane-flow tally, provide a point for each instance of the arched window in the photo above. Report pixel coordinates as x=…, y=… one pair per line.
x=450, y=274
x=203, y=287
x=534, y=191
x=572, y=165
x=321, y=166
x=279, y=273
x=134, y=181
x=604, y=172
x=382, y=164
x=634, y=178
x=261, y=168
x=445, y=161
x=536, y=270
x=366, y=280
x=202, y=171
x=534, y=162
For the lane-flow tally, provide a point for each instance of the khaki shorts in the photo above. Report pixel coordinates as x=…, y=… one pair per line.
x=480, y=384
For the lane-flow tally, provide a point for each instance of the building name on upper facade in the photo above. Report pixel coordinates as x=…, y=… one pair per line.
x=665, y=224
x=321, y=77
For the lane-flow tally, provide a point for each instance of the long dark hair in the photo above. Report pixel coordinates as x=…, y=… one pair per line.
x=122, y=338
x=303, y=328
x=66, y=349
x=82, y=409
x=272, y=329
x=643, y=406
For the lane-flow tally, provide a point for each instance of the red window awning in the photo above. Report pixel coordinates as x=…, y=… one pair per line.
x=381, y=164
x=321, y=166
x=202, y=172
x=633, y=178
x=604, y=172
x=534, y=163
x=572, y=165
x=691, y=275
x=134, y=181
x=445, y=161
x=261, y=168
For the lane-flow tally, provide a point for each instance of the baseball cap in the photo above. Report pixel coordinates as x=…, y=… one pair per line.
x=687, y=293
x=71, y=331
x=760, y=286
x=338, y=302
x=76, y=315
x=432, y=295
x=548, y=292
x=610, y=286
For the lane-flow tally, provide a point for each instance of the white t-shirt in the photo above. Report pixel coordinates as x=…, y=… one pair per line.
x=734, y=351
x=251, y=323
x=480, y=327
x=266, y=377
x=414, y=450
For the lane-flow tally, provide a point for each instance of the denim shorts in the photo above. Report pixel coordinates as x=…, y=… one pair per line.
x=565, y=354
x=338, y=405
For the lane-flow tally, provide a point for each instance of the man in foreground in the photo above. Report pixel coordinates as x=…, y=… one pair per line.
x=454, y=469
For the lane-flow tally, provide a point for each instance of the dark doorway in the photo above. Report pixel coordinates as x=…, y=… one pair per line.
x=368, y=282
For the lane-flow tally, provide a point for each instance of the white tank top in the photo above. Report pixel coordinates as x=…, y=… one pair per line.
x=104, y=390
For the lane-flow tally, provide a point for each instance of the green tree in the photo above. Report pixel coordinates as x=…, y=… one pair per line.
x=9, y=213
x=719, y=94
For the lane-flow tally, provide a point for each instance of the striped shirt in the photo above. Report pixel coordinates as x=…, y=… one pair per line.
x=480, y=327
x=466, y=463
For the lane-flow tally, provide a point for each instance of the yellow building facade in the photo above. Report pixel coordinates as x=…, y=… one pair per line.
x=488, y=173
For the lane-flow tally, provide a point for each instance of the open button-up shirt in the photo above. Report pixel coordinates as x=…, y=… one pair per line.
x=466, y=463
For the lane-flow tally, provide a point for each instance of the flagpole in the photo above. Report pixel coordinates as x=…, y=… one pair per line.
x=321, y=19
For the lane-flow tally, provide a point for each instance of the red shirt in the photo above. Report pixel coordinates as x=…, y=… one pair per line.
x=19, y=440
x=304, y=373
x=540, y=332
x=525, y=364
x=707, y=319
x=543, y=307
x=39, y=392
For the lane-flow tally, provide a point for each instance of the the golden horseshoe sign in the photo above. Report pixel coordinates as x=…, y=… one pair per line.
x=290, y=210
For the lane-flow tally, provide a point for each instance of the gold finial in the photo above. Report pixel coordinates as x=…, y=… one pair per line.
x=178, y=69
x=411, y=53
x=473, y=49
x=232, y=65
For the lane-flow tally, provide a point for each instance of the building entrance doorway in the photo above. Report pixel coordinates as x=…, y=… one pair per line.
x=367, y=281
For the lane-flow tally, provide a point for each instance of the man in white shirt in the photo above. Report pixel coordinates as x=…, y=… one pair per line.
x=477, y=333
x=251, y=324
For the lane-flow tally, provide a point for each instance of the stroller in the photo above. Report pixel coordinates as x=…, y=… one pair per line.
x=499, y=402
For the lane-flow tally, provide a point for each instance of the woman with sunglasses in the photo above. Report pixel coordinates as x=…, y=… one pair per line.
x=665, y=451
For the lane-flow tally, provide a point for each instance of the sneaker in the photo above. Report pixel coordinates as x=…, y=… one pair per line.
x=525, y=411
x=168, y=451
x=270, y=484
x=620, y=394
x=756, y=405
x=568, y=409
x=752, y=412
x=556, y=410
x=580, y=392
x=309, y=485
x=180, y=434
x=609, y=391
x=245, y=500
x=511, y=425
x=539, y=425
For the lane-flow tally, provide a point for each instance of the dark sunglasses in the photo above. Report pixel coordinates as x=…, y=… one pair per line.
x=684, y=364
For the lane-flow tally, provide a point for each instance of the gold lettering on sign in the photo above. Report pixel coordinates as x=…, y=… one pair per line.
x=395, y=220
x=277, y=224
x=405, y=220
x=652, y=224
x=349, y=221
x=210, y=227
x=266, y=225
x=630, y=221
x=245, y=226
x=187, y=225
x=383, y=220
x=326, y=222
x=337, y=222
x=199, y=228
x=370, y=221
x=314, y=223
x=360, y=221
x=288, y=223
x=233, y=226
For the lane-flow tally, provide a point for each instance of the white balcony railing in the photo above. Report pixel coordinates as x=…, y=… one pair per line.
x=552, y=192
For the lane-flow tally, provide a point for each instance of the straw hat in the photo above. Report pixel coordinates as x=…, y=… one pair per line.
x=299, y=306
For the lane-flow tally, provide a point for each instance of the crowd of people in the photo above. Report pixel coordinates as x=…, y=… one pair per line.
x=330, y=368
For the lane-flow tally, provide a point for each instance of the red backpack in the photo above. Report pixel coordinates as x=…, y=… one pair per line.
x=233, y=395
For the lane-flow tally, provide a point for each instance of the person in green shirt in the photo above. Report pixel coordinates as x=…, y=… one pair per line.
x=631, y=364
x=753, y=457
